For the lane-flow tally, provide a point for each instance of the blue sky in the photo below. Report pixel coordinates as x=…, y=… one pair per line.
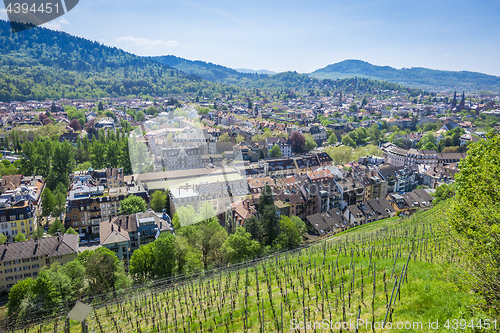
x=298, y=35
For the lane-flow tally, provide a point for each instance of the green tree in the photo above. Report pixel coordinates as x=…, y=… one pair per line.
x=55, y=227
x=188, y=259
x=164, y=255
x=71, y=231
x=310, y=143
x=60, y=199
x=151, y=111
x=133, y=204
x=210, y=236
x=142, y=262
x=47, y=295
x=19, y=238
x=103, y=270
x=268, y=215
x=17, y=293
x=240, y=138
x=224, y=138
x=184, y=216
x=475, y=216
x=140, y=116
x=240, y=246
x=289, y=236
x=275, y=152
x=48, y=202
x=75, y=271
x=348, y=141
x=3, y=239
x=254, y=227
x=158, y=199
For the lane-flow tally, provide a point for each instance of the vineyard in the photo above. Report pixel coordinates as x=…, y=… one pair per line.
x=399, y=270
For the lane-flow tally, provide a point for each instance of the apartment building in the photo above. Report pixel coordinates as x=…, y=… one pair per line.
x=89, y=205
x=22, y=260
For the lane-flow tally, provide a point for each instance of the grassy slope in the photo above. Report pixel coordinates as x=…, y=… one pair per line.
x=305, y=283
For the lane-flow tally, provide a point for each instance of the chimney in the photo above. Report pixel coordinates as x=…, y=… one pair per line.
x=119, y=229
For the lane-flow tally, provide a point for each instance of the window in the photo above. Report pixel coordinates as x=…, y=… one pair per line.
x=22, y=223
x=35, y=273
x=21, y=216
x=27, y=275
x=20, y=276
x=13, y=224
x=13, y=218
x=34, y=259
x=17, y=269
x=25, y=268
x=23, y=231
x=17, y=261
x=9, y=278
x=30, y=221
x=47, y=261
x=3, y=218
x=7, y=263
x=8, y=270
x=26, y=259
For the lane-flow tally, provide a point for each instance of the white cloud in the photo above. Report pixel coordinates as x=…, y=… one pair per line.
x=145, y=43
x=3, y=14
x=56, y=24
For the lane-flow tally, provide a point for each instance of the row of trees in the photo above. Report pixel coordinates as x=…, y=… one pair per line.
x=49, y=158
x=108, y=149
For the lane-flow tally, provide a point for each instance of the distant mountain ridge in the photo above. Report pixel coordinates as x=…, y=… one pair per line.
x=260, y=71
x=418, y=77
x=207, y=70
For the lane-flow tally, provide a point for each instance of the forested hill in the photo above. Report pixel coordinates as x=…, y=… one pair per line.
x=208, y=70
x=413, y=77
x=39, y=64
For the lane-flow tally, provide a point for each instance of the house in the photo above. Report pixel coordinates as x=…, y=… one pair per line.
x=409, y=201
x=382, y=207
x=124, y=234
x=22, y=260
x=71, y=137
x=285, y=145
x=324, y=223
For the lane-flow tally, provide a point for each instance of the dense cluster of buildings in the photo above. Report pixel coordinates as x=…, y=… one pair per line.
x=216, y=160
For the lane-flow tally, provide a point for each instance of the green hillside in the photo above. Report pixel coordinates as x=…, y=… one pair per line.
x=413, y=77
x=39, y=64
x=406, y=263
